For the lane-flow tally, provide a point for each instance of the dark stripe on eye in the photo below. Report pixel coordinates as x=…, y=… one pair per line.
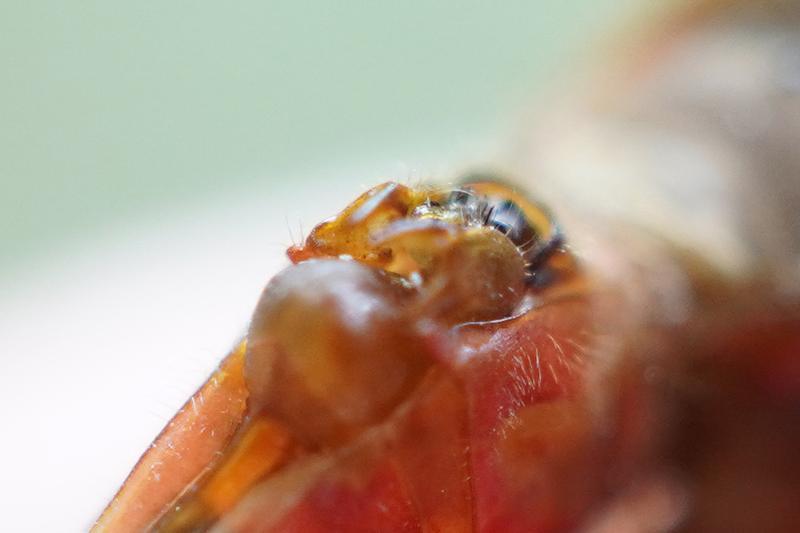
x=508, y=218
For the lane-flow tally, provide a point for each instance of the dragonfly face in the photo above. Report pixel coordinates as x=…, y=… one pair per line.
x=439, y=359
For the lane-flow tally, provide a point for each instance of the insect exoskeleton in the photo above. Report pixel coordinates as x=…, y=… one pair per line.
x=344, y=333
x=341, y=339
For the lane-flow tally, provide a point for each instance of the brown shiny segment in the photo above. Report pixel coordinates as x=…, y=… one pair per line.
x=332, y=350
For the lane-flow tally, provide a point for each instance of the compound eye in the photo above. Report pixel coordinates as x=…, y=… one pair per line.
x=508, y=218
x=526, y=223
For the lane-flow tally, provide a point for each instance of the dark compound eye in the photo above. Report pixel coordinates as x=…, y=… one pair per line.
x=508, y=218
x=527, y=224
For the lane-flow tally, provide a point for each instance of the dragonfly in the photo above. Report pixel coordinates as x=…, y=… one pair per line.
x=620, y=352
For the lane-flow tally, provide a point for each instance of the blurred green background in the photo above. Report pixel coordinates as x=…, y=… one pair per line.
x=112, y=111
